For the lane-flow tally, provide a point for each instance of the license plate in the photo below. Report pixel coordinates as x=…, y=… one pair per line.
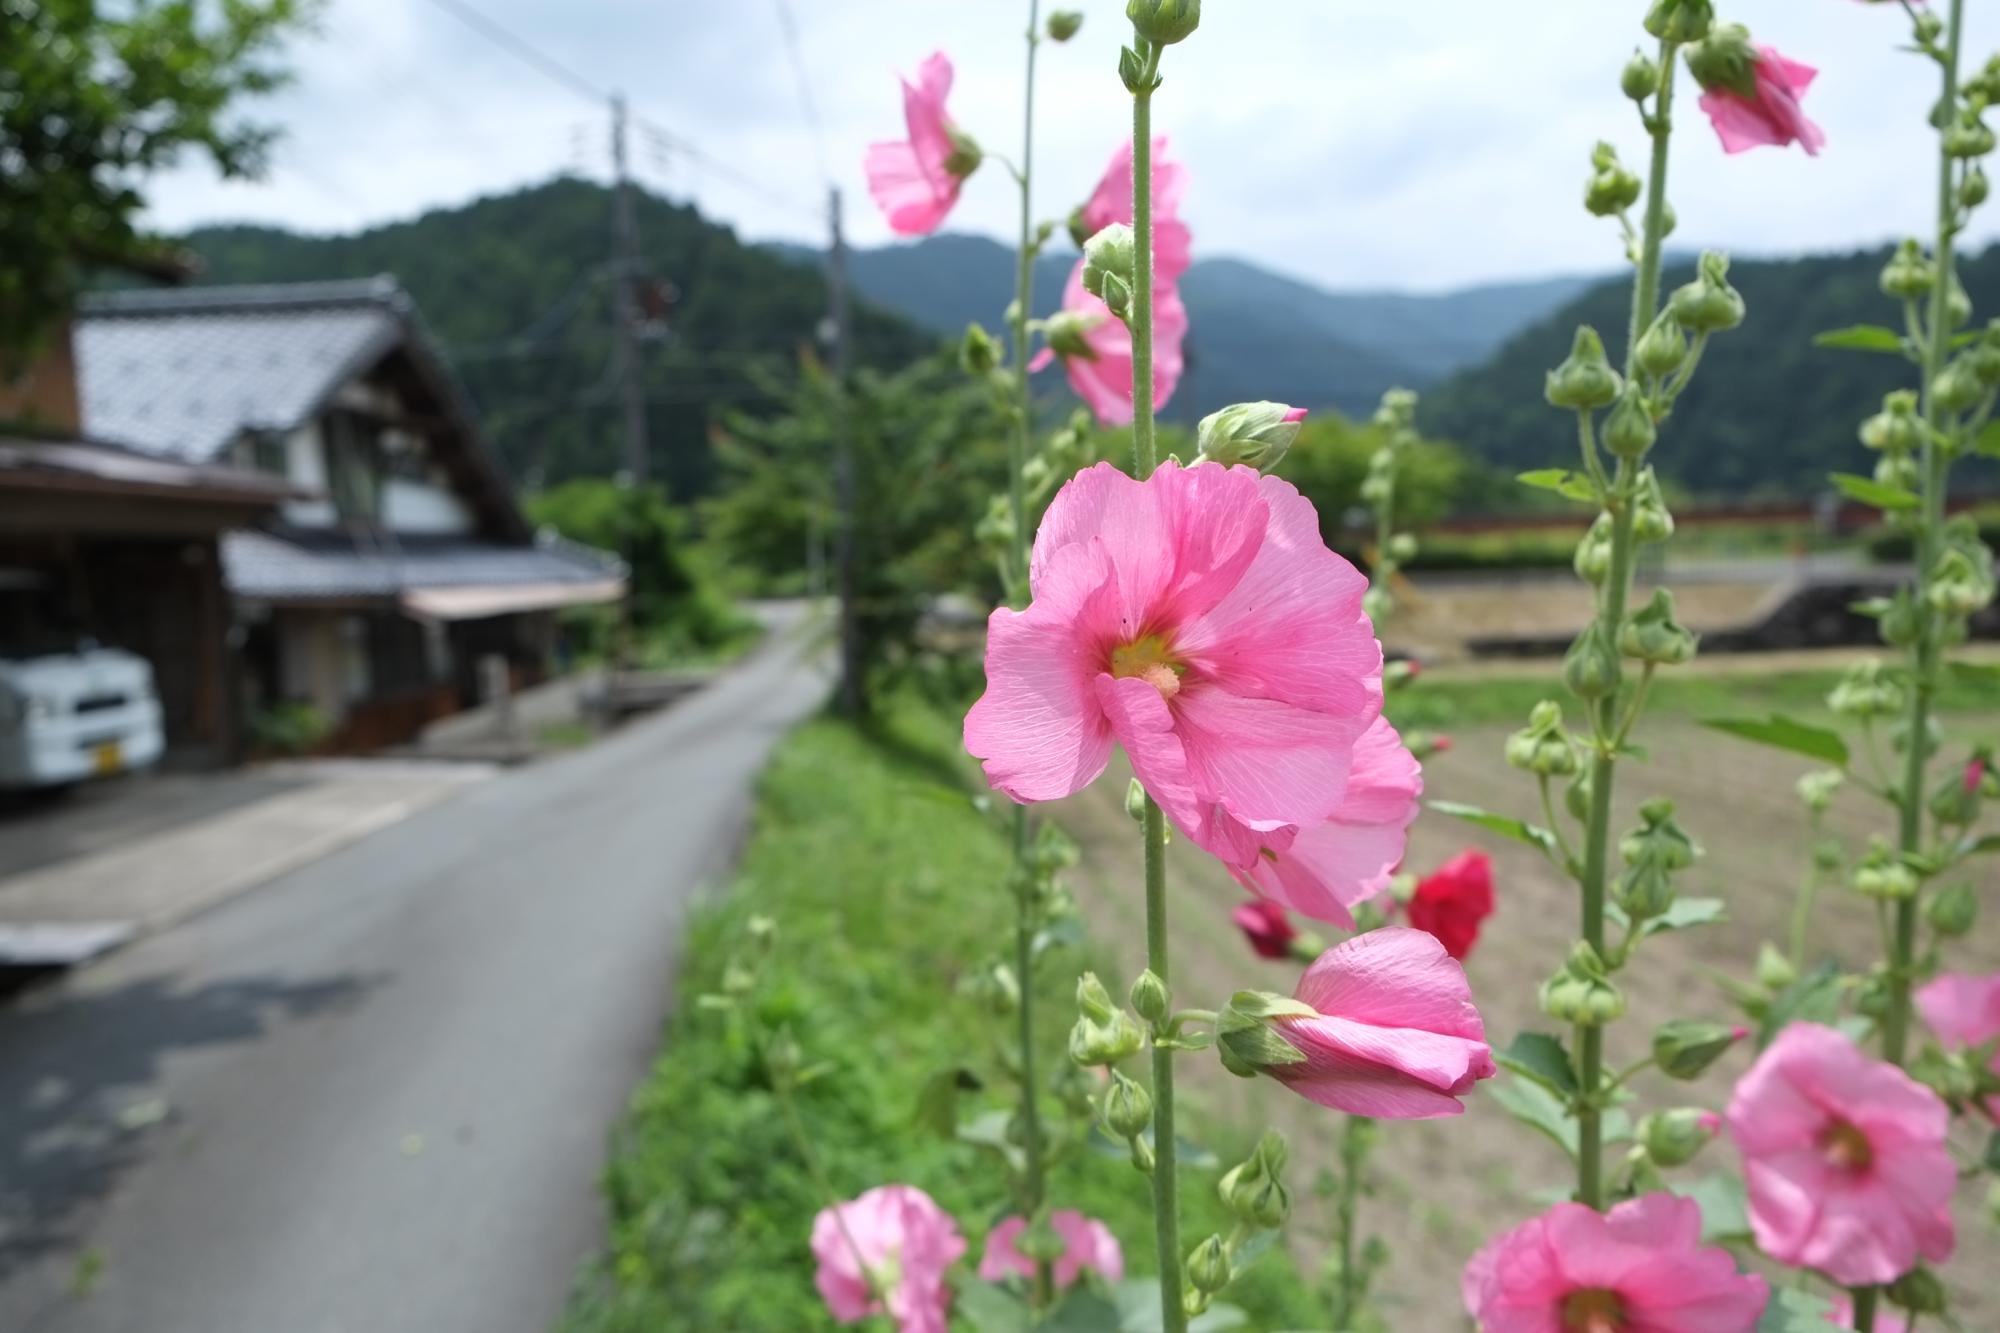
x=107, y=758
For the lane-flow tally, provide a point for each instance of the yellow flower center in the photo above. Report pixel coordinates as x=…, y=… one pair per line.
x=1846, y=1147
x=1592, y=1311
x=1151, y=660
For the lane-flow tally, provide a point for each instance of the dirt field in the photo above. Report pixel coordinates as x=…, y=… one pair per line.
x=1441, y=1186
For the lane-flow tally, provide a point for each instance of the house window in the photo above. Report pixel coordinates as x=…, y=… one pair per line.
x=354, y=466
x=265, y=451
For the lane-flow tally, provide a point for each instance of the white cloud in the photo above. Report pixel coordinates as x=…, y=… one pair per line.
x=1417, y=146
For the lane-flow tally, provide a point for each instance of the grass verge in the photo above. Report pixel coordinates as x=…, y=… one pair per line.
x=886, y=883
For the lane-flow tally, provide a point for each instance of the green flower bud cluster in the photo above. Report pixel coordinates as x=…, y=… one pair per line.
x=1907, y=276
x=1164, y=22
x=1104, y=1034
x=1591, y=668
x=1108, y=261
x=1592, y=561
x=1866, y=692
x=1774, y=970
x=1585, y=381
x=1952, y=910
x=1640, y=78
x=1662, y=348
x=1543, y=747
x=1725, y=59
x=1629, y=431
x=1253, y=1190
x=1650, y=520
x=965, y=153
x=1684, y=1048
x=1959, y=794
x=1898, y=428
x=1066, y=330
x=1653, y=636
x=1253, y=434
x=1708, y=304
x=1652, y=853
x=1064, y=24
x=1962, y=578
x=1882, y=875
x=979, y=353
x=1127, y=1111
x=1681, y=21
x=1675, y=1137
x=1581, y=993
x=1817, y=789
x=1207, y=1273
x=1969, y=136
x=1150, y=998
x=1611, y=189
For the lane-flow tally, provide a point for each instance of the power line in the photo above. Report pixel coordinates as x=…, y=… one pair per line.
x=788, y=23
x=522, y=49
x=708, y=162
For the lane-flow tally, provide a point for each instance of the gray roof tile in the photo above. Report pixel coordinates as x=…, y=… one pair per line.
x=303, y=565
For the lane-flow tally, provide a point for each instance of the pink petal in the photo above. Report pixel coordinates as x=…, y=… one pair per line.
x=1389, y=1073
x=924, y=114
x=1265, y=760
x=1143, y=725
x=1088, y=1244
x=914, y=203
x=1002, y=1259
x=1961, y=1008
x=1394, y=977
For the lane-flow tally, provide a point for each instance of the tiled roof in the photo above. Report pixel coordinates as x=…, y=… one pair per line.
x=180, y=373
x=298, y=565
x=93, y=466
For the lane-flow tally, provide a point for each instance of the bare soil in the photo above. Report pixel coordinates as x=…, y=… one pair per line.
x=1440, y=1187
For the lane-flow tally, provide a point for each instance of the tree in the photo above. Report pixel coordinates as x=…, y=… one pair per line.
x=93, y=98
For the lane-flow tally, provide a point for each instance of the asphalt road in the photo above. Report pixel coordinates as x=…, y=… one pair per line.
x=374, y=1095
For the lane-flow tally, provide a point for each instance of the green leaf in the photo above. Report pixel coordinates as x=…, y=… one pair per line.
x=1541, y=1057
x=1991, y=1161
x=1861, y=338
x=1063, y=933
x=937, y=1100
x=991, y=1309
x=989, y=1131
x=1537, y=1108
x=1813, y=998
x=1269, y=1004
x=1872, y=492
x=1082, y=1311
x=1570, y=485
x=1987, y=443
x=1795, y=1311
x=1786, y=734
x=1534, y=835
x=1139, y=1311
x=1687, y=913
x=1725, y=1211
x=1980, y=846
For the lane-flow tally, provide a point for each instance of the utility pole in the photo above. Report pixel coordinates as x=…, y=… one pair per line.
x=625, y=302
x=852, y=698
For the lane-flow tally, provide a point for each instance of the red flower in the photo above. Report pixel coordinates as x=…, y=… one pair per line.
x=1452, y=902
x=1266, y=926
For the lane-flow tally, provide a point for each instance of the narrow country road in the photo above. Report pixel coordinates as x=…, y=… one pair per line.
x=373, y=1096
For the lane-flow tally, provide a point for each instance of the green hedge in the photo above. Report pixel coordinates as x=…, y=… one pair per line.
x=885, y=880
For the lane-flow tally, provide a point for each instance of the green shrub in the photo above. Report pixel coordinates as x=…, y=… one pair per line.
x=290, y=727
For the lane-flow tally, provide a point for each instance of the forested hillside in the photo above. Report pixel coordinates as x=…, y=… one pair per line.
x=1770, y=414
x=517, y=288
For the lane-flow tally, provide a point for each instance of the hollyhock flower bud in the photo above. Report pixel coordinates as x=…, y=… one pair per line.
x=1753, y=93
x=1576, y=796
x=1254, y=434
x=1067, y=333
x=1957, y=305
x=1662, y=349
x=1984, y=355
x=1108, y=259
x=1128, y=1107
x=1882, y=874
x=1208, y=1266
x=1684, y=1048
x=1590, y=668
x=1079, y=1243
x=1898, y=428
x=1817, y=788
x=1164, y=22
x=1397, y=414
x=1774, y=970
x=1680, y=21
x=1708, y=304
x=1150, y=998
x=1267, y=927
x=1585, y=381
x=1640, y=1265
x=1867, y=691
x=1899, y=471
x=1610, y=192
x=1593, y=553
x=1092, y=1000
x=1653, y=635
x=1955, y=800
x=1907, y=275
x=1917, y=1291
x=1402, y=548
x=1844, y=1159
x=1952, y=910
x=1658, y=835
x=1968, y=137
x=1640, y=78
x=916, y=181
x=887, y=1253
x=1964, y=1011
x=1674, y=1138
x=1957, y=387
x=1960, y=583
x=1629, y=430
x=978, y=353
x=1063, y=24
x=1382, y=1025
x=1105, y=1043
x=1543, y=747
x=1581, y=992
x=1650, y=520
x=1454, y=901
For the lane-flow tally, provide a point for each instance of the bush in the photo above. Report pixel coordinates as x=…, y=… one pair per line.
x=881, y=882
x=291, y=728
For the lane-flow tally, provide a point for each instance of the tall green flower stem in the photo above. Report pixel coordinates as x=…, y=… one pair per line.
x=1621, y=505
x=1033, y=1173
x=1935, y=465
x=1145, y=457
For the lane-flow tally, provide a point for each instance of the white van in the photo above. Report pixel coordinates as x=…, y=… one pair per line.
x=74, y=710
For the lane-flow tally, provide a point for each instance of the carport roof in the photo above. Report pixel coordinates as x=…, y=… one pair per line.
x=306, y=566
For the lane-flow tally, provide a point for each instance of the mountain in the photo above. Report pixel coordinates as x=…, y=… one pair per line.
x=516, y=286
x=1253, y=333
x=1768, y=413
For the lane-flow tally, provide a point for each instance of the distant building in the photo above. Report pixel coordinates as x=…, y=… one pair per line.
x=399, y=557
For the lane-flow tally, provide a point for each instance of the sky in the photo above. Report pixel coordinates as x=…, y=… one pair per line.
x=1356, y=145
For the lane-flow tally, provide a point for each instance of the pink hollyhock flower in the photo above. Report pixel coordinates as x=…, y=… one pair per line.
x=1640, y=1268
x=1454, y=900
x=1395, y=1034
x=1326, y=870
x=1964, y=1010
x=904, y=1241
x=1096, y=350
x=1771, y=115
x=1197, y=618
x=1111, y=201
x=1844, y=1157
x=1087, y=1243
x=916, y=181
x=1266, y=926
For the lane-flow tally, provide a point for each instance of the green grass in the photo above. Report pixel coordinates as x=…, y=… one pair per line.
x=1439, y=702
x=886, y=881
